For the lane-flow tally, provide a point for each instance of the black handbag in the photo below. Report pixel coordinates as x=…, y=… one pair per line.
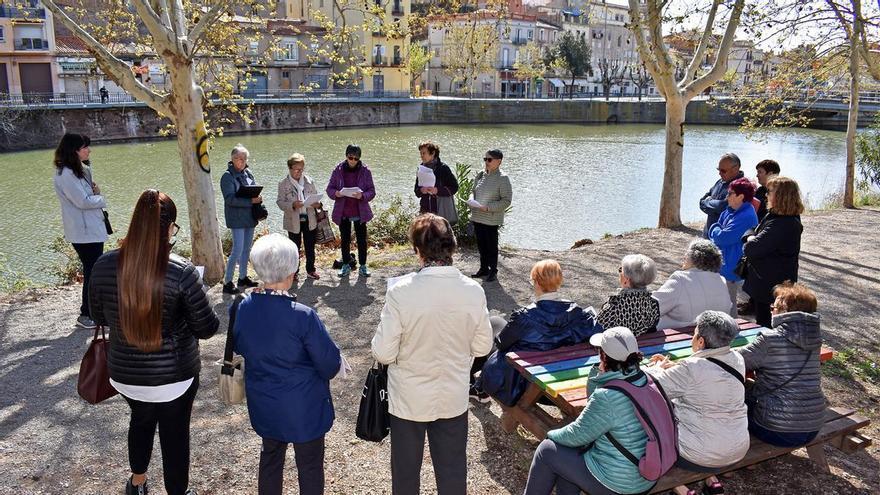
x=259, y=212
x=373, y=420
x=107, y=223
x=741, y=269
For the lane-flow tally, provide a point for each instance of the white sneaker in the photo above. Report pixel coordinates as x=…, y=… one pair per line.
x=85, y=322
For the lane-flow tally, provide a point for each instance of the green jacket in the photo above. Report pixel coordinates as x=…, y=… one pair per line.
x=492, y=190
x=608, y=411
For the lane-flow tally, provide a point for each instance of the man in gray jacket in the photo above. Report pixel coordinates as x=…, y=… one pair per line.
x=715, y=201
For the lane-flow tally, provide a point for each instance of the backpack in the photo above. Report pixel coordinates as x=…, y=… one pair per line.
x=654, y=411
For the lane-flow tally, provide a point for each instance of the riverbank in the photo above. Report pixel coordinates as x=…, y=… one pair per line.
x=51, y=440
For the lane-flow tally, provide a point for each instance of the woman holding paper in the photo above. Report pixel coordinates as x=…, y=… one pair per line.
x=351, y=187
x=298, y=198
x=490, y=198
x=434, y=180
x=239, y=218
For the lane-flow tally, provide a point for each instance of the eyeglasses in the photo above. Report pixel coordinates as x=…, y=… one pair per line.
x=174, y=229
x=619, y=269
x=487, y=159
x=724, y=170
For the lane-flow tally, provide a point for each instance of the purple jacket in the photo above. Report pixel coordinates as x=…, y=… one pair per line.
x=365, y=182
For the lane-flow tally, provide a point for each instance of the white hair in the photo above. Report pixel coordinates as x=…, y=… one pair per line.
x=639, y=269
x=239, y=149
x=275, y=257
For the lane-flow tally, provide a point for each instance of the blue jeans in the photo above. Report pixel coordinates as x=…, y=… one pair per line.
x=241, y=251
x=781, y=438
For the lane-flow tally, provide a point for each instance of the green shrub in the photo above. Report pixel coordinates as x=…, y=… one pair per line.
x=67, y=268
x=391, y=225
x=465, y=177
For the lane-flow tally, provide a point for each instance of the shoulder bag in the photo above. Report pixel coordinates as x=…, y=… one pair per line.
x=323, y=230
x=231, y=383
x=741, y=269
x=446, y=209
x=93, y=383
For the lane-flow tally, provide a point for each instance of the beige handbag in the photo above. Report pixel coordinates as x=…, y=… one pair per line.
x=231, y=382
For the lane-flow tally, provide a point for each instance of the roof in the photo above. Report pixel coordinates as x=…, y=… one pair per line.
x=291, y=27
x=70, y=45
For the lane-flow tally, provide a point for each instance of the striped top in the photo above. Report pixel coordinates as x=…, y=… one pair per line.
x=492, y=190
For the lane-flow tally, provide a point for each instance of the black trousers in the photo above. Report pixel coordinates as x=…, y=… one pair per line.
x=763, y=315
x=447, y=440
x=88, y=254
x=307, y=236
x=360, y=232
x=487, y=244
x=309, y=457
x=173, y=419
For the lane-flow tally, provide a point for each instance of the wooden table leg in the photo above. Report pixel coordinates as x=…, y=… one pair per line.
x=817, y=455
x=524, y=413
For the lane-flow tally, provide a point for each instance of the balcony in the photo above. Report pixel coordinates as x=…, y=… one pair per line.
x=397, y=10
x=26, y=44
x=22, y=12
x=379, y=61
x=396, y=61
x=519, y=41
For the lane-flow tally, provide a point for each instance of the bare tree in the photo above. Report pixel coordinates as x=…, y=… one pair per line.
x=611, y=73
x=647, y=26
x=640, y=78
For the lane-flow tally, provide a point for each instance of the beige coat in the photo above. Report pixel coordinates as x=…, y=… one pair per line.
x=287, y=194
x=432, y=325
x=713, y=426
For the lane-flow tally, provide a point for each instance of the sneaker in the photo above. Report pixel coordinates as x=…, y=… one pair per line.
x=480, y=273
x=85, y=322
x=228, y=288
x=492, y=277
x=247, y=282
x=191, y=491
x=313, y=276
x=345, y=270
x=478, y=395
x=363, y=271
x=135, y=489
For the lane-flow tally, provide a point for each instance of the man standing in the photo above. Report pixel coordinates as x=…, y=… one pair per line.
x=105, y=95
x=715, y=201
x=764, y=169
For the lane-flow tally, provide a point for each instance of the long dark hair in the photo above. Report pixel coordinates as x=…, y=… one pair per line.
x=66, y=153
x=143, y=260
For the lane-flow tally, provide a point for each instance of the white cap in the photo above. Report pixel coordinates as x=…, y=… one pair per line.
x=617, y=343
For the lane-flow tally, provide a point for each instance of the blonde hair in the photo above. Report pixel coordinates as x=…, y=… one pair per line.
x=294, y=159
x=786, y=196
x=547, y=274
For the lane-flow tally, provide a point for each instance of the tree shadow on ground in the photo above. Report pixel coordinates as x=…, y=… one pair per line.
x=507, y=456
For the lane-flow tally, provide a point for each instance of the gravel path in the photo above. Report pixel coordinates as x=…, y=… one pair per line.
x=53, y=442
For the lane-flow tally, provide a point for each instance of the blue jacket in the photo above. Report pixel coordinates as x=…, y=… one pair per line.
x=542, y=326
x=236, y=210
x=727, y=235
x=714, y=202
x=289, y=361
x=608, y=411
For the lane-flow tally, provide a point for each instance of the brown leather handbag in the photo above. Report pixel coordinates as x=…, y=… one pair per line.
x=93, y=383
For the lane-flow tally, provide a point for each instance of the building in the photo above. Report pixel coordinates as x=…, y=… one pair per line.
x=27, y=48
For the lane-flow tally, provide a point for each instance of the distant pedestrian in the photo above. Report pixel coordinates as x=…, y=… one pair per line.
x=238, y=212
x=492, y=190
x=445, y=185
x=157, y=309
x=715, y=201
x=81, y=210
x=764, y=170
x=735, y=220
x=300, y=220
x=105, y=95
x=352, y=207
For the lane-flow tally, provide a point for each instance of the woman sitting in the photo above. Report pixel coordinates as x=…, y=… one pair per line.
x=601, y=469
x=550, y=322
x=697, y=287
x=786, y=405
x=633, y=307
x=290, y=360
x=707, y=390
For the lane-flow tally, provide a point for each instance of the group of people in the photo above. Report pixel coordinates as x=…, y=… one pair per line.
x=438, y=340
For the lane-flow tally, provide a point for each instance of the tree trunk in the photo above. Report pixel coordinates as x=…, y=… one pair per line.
x=670, y=198
x=853, y=115
x=192, y=144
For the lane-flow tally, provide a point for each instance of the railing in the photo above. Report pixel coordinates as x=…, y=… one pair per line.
x=29, y=44
x=519, y=41
x=22, y=12
x=379, y=60
x=396, y=61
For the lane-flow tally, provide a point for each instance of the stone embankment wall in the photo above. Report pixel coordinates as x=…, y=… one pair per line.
x=42, y=128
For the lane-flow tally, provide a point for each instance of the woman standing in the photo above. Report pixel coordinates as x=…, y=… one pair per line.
x=493, y=192
x=433, y=324
x=290, y=360
x=352, y=208
x=81, y=210
x=300, y=221
x=773, y=249
x=445, y=184
x=239, y=218
x=156, y=308
x=727, y=234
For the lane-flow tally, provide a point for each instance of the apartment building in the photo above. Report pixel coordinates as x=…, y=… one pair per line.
x=27, y=47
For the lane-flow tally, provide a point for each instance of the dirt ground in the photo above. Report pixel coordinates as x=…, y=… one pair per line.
x=53, y=442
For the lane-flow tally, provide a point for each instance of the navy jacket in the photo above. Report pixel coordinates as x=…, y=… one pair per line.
x=236, y=210
x=289, y=360
x=541, y=326
x=715, y=201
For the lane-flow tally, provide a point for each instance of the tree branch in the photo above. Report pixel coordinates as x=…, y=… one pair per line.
x=206, y=20
x=161, y=8
x=116, y=68
x=720, y=66
x=649, y=60
x=703, y=46
x=163, y=37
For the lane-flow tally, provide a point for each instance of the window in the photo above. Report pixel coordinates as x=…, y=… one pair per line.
x=253, y=47
x=530, y=34
x=2, y=34
x=541, y=35
x=285, y=74
x=505, y=58
x=289, y=51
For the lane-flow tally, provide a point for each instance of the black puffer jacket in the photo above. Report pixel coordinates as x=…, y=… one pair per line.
x=772, y=254
x=186, y=316
x=782, y=399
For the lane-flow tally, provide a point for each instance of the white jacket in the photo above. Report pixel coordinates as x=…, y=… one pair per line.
x=80, y=208
x=432, y=325
x=687, y=293
x=713, y=425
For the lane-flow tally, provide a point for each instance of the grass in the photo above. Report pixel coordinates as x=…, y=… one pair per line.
x=852, y=364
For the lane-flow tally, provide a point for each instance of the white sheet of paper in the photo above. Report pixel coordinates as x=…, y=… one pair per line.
x=350, y=191
x=312, y=199
x=473, y=203
x=344, y=367
x=201, y=271
x=426, y=177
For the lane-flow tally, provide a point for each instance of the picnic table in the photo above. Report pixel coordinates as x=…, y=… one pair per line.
x=559, y=377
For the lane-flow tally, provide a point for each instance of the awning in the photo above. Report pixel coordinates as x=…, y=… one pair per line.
x=577, y=82
x=556, y=82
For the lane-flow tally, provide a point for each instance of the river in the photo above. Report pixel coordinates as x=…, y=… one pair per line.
x=570, y=181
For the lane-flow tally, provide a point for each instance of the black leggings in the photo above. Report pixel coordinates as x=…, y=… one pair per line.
x=487, y=244
x=360, y=232
x=308, y=237
x=309, y=457
x=88, y=254
x=173, y=420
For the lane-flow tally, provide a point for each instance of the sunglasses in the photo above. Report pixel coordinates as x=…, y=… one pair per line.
x=619, y=269
x=487, y=159
x=352, y=158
